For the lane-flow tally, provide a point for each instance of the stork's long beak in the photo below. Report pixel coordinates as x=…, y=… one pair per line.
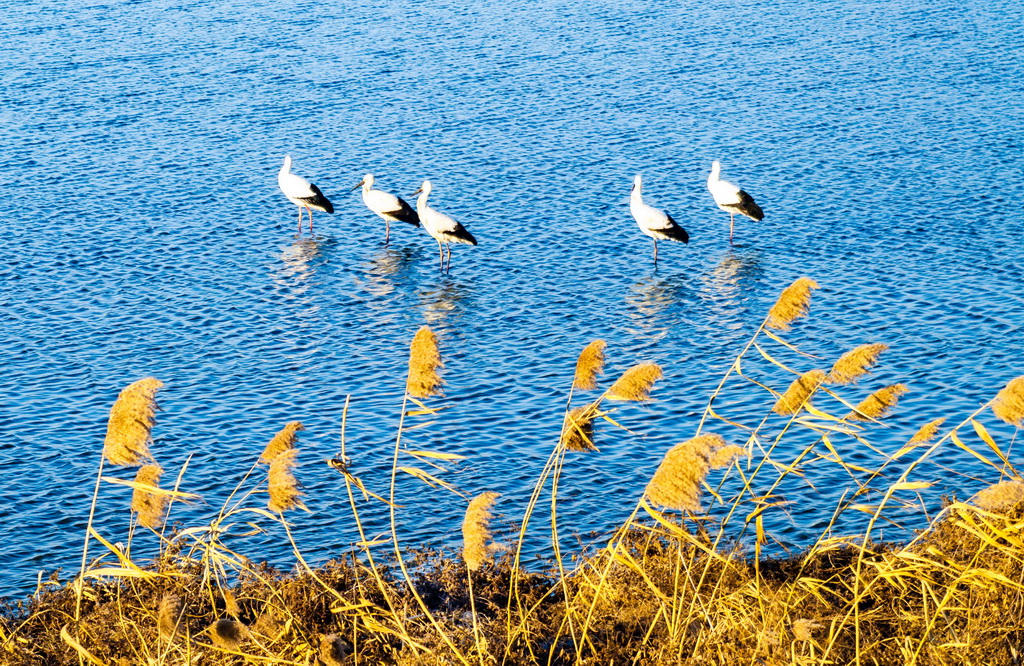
x=357, y=185
x=416, y=192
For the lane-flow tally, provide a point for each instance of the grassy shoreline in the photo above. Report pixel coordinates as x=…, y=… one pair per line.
x=685, y=579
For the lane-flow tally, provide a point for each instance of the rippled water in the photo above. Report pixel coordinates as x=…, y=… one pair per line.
x=143, y=234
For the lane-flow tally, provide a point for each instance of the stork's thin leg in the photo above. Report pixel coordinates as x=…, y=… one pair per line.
x=449, y=248
x=655, y=252
x=387, y=231
x=731, y=220
x=440, y=255
x=310, y=210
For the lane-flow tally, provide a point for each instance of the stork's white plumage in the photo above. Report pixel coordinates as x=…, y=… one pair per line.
x=302, y=193
x=442, y=228
x=387, y=206
x=653, y=222
x=732, y=199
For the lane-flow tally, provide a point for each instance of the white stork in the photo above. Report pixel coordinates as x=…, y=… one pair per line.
x=387, y=206
x=302, y=193
x=442, y=228
x=653, y=222
x=732, y=199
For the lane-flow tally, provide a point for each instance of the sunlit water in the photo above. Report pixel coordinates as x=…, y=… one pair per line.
x=143, y=234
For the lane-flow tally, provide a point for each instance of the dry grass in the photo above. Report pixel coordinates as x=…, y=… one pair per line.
x=131, y=420
x=855, y=363
x=799, y=392
x=477, y=548
x=1001, y=497
x=691, y=589
x=169, y=616
x=284, y=440
x=424, y=361
x=578, y=432
x=149, y=505
x=281, y=484
x=676, y=483
x=1009, y=403
x=878, y=404
x=636, y=383
x=927, y=432
x=589, y=365
x=793, y=303
x=227, y=634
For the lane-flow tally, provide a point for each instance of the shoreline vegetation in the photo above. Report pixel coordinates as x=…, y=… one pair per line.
x=688, y=578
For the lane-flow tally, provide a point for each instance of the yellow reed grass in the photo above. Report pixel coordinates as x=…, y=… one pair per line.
x=424, y=362
x=334, y=651
x=794, y=302
x=130, y=423
x=1001, y=497
x=476, y=533
x=799, y=392
x=282, y=486
x=1009, y=403
x=635, y=384
x=855, y=363
x=149, y=506
x=676, y=483
x=227, y=634
x=284, y=440
x=878, y=404
x=169, y=616
x=589, y=365
x=578, y=433
x=927, y=432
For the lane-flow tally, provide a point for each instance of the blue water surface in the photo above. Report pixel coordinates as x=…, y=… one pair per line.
x=143, y=234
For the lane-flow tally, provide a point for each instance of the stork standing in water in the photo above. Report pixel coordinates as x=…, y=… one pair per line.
x=442, y=228
x=732, y=199
x=653, y=222
x=387, y=206
x=302, y=193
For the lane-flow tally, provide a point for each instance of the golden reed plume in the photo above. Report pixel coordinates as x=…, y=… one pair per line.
x=424, y=361
x=169, y=616
x=878, y=404
x=282, y=486
x=149, y=506
x=794, y=302
x=803, y=629
x=131, y=420
x=677, y=482
x=1001, y=497
x=799, y=392
x=635, y=384
x=1009, y=403
x=927, y=432
x=476, y=533
x=578, y=432
x=855, y=363
x=227, y=634
x=589, y=365
x=283, y=441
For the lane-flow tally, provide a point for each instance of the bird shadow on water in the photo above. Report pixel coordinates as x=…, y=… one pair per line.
x=388, y=268
x=650, y=301
x=727, y=288
x=443, y=305
x=299, y=261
